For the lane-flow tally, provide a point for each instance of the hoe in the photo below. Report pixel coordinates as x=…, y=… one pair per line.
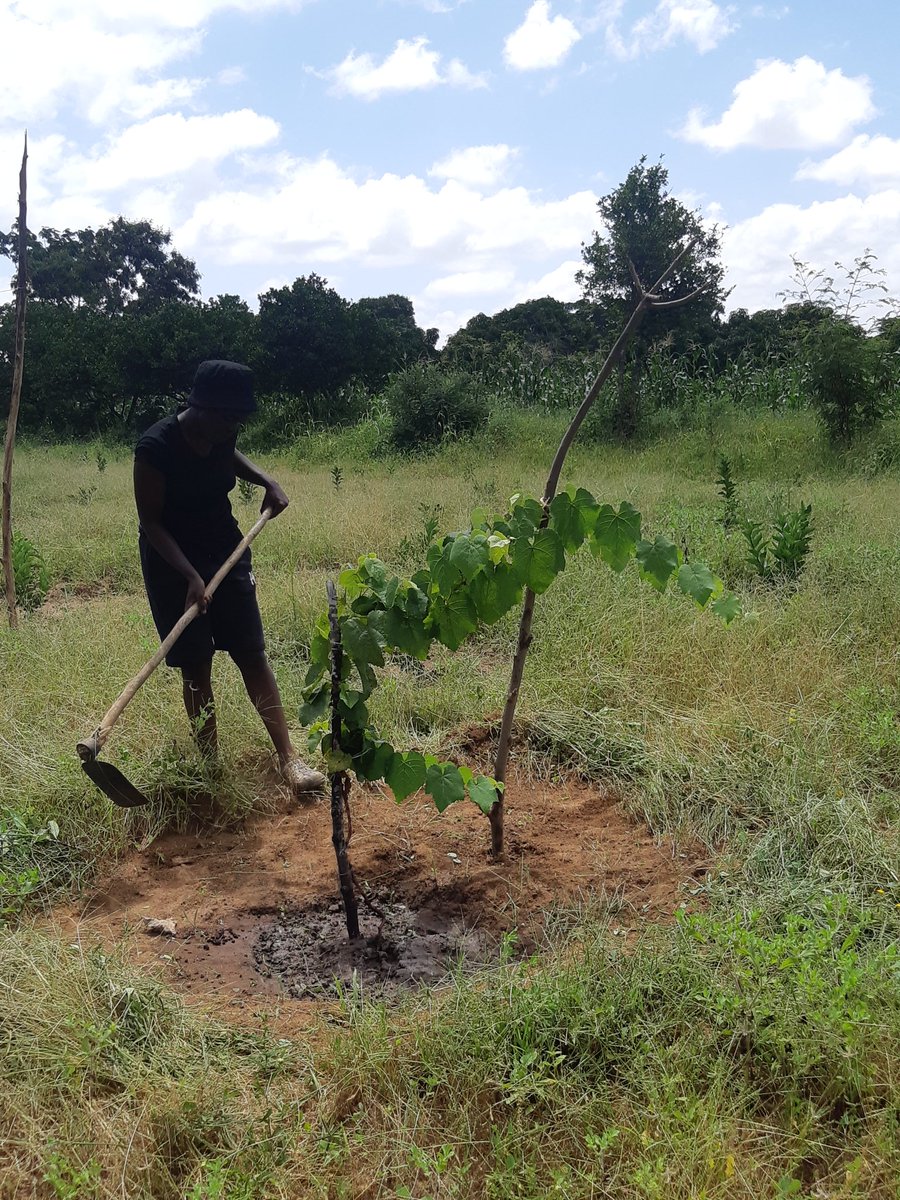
x=107, y=777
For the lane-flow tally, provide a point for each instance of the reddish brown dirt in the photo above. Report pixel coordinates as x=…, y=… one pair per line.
x=566, y=842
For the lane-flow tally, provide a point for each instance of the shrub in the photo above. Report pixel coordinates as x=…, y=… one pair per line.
x=846, y=392
x=30, y=572
x=427, y=404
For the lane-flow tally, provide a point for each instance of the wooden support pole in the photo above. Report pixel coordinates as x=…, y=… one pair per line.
x=339, y=780
x=15, y=397
x=645, y=301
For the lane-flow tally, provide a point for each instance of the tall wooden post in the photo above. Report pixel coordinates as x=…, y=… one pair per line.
x=18, y=366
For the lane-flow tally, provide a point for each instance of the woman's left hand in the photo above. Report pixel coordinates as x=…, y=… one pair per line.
x=275, y=498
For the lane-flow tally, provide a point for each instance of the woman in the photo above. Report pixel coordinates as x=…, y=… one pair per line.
x=184, y=468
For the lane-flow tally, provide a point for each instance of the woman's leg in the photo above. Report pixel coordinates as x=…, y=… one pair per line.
x=259, y=680
x=200, y=706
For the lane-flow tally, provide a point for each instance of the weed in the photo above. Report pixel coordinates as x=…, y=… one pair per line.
x=30, y=572
x=337, y=477
x=727, y=493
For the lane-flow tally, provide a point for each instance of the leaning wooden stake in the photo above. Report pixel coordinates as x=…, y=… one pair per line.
x=18, y=365
x=645, y=301
x=340, y=780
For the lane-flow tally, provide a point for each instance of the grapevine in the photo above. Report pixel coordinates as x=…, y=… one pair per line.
x=470, y=580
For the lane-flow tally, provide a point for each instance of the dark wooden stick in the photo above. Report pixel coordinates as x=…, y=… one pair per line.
x=340, y=783
x=16, y=395
x=645, y=302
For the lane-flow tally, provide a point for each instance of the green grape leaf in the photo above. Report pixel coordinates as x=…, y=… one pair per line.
x=367, y=677
x=413, y=601
x=319, y=656
x=406, y=774
x=361, y=642
x=526, y=507
x=444, y=573
x=537, y=562
x=615, y=534
x=498, y=545
x=566, y=519
x=444, y=785
x=352, y=583
x=657, y=560
x=469, y=554
x=375, y=761
x=453, y=619
x=374, y=572
x=337, y=760
x=315, y=702
x=495, y=592
x=484, y=792
x=727, y=607
x=365, y=603
x=698, y=582
x=405, y=633
x=586, y=505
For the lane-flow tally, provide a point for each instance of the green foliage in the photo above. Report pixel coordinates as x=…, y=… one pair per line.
x=427, y=404
x=727, y=493
x=472, y=578
x=782, y=551
x=845, y=386
x=33, y=863
x=30, y=572
x=791, y=540
x=644, y=229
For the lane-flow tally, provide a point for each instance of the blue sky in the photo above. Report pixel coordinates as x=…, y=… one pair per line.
x=454, y=150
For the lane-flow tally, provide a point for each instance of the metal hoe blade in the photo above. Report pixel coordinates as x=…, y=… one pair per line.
x=109, y=779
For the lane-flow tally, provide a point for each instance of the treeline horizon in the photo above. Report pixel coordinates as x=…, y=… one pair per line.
x=116, y=326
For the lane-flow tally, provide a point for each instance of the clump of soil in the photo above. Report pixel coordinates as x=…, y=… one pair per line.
x=309, y=953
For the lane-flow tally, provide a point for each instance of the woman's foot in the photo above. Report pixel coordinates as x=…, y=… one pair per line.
x=301, y=778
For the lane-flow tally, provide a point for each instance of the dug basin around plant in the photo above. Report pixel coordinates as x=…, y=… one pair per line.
x=223, y=888
x=307, y=950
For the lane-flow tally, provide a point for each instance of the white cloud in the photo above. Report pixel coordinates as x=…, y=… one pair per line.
x=318, y=211
x=558, y=283
x=409, y=67
x=480, y=166
x=540, y=41
x=100, y=58
x=787, y=106
x=469, y=283
x=168, y=145
x=701, y=23
x=757, y=251
x=869, y=161
x=229, y=76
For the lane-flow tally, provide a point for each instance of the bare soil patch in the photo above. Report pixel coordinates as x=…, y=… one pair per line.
x=252, y=903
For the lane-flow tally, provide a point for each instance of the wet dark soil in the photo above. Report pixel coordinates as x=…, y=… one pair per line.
x=308, y=952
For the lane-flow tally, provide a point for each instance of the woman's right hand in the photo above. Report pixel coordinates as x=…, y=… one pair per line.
x=196, y=594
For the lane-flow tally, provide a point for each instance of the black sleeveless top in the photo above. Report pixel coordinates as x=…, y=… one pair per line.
x=196, y=511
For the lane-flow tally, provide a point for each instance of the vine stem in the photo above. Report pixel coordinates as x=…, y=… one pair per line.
x=339, y=780
x=16, y=394
x=645, y=301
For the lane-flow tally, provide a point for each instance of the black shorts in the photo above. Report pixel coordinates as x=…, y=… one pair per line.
x=231, y=623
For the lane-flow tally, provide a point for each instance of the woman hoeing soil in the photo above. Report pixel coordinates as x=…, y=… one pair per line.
x=184, y=467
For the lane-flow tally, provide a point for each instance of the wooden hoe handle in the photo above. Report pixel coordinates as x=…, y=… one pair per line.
x=91, y=746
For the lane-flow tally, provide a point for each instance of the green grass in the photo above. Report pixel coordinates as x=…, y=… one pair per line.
x=749, y=1052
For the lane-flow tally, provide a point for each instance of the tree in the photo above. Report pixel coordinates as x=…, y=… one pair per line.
x=387, y=338
x=644, y=228
x=557, y=328
x=122, y=265
x=306, y=343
